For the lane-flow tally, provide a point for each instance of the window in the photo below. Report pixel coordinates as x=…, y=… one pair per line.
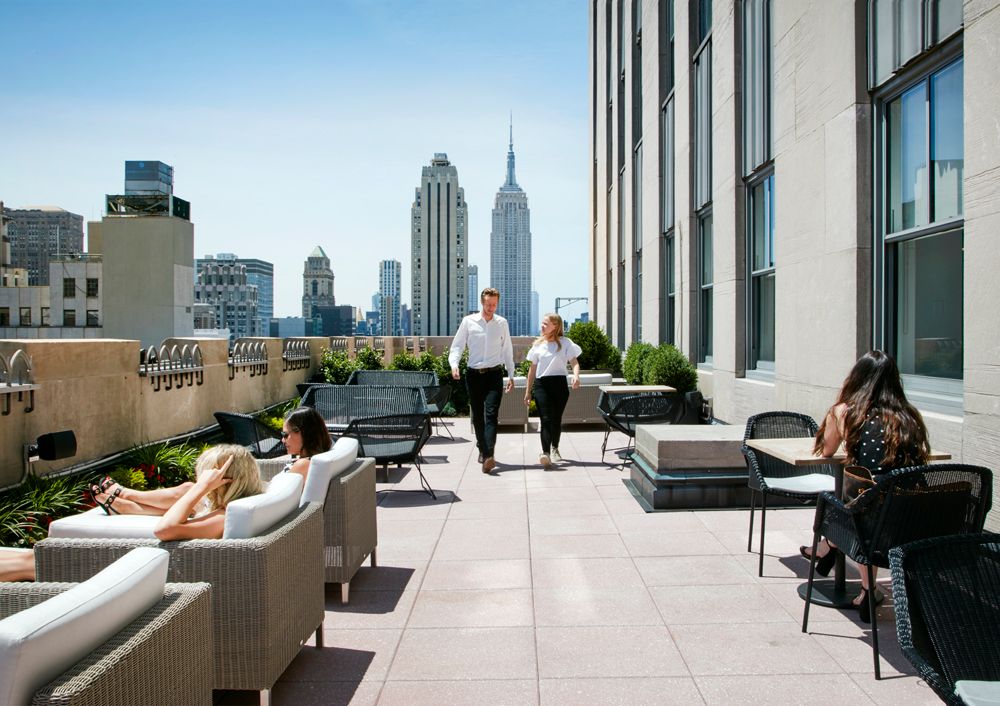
x=621, y=259
x=69, y=317
x=4, y=316
x=92, y=318
x=69, y=288
x=637, y=243
x=758, y=170
x=919, y=226
x=25, y=316
x=705, y=281
x=92, y=287
x=760, y=216
x=45, y=316
x=667, y=314
x=667, y=177
x=703, y=127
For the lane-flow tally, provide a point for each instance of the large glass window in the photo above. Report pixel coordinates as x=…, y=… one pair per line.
x=637, y=242
x=900, y=30
x=757, y=84
x=703, y=127
x=667, y=178
x=69, y=288
x=921, y=229
x=667, y=314
x=761, y=220
x=705, y=281
x=621, y=259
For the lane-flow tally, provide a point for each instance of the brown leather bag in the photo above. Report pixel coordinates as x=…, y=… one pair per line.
x=857, y=480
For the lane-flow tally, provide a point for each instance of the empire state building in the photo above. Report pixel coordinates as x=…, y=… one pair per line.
x=510, y=251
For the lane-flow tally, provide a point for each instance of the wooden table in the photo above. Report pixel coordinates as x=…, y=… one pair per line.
x=635, y=389
x=798, y=451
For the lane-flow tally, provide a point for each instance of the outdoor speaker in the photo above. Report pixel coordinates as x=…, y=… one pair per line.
x=58, y=444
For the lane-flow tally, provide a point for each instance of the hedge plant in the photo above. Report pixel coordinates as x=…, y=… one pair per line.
x=635, y=358
x=598, y=352
x=665, y=365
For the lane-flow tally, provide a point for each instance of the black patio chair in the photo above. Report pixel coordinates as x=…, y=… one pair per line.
x=768, y=475
x=904, y=506
x=625, y=412
x=404, y=378
x=393, y=439
x=946, y=592
x=245, y=430
x=437, y=396
x=339, y=405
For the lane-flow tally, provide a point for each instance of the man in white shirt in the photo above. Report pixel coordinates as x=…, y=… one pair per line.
x=487, y=337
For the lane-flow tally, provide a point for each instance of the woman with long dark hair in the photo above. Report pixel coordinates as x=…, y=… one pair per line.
x=304, y=435
x=879, y=429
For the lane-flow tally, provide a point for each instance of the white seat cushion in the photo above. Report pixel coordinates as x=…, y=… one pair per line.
x=594, y=379
x=323, y=467
x=978, y=693
x=94, y=524
x=814, y=483
x=40, y=643
x=253, y=516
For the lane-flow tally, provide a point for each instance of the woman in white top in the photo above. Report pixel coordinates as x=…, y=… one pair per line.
x=551, y=353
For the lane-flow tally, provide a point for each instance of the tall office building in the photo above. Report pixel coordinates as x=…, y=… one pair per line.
x=317, y=283
x=779, y=187
x=259, y=274
x=439, y=238
x=146, y=242
x=536, y=315
x=223, y=284
x=390, y=273
x=510, y=251
x=38, y=233
x=472, y=275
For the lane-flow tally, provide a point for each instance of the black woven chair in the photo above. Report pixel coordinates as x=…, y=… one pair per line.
x=768, y=475
x=905, y=505
x=339, y=405
x=946, y=592
x=437, y=396
x=245, y=430
x=393, y=439
x=405, y=378
x=625, y=412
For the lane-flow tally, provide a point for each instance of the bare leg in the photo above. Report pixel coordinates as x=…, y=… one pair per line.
x=143, y=502
x=16, y=565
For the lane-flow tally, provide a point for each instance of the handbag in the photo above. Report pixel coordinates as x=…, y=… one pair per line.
x=857, y=481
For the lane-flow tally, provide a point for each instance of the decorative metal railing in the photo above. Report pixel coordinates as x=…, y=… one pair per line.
x=16, y=379
x=172, y=366
x=295, y=354
x=248, y=354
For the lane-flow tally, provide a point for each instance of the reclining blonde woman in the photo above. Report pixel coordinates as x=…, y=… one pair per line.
x=195, y=510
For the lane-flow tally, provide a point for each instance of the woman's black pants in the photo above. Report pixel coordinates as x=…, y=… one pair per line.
x=551, y=393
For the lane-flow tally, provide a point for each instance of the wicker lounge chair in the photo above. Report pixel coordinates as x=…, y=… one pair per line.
x=267, y=591
x=243, y=429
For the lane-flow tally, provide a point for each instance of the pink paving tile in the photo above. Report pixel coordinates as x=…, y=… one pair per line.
x=594, y=606
x=788, y=690
x=511, y=692
x=573, y=545
x=497, y=574
x=631, y=691
x=633, y=651
x=582, y=572
x=465, y=653
x=472, y=608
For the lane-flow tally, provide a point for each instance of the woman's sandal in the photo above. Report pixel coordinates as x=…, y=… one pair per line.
x=824, y=562
x=106, y=505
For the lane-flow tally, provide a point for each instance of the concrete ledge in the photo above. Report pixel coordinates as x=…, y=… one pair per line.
x=710, y=447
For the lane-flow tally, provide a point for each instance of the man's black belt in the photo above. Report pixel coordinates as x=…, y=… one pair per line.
x=494, y=369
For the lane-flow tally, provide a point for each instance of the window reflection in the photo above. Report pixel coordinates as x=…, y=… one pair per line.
x=907, y=157
x=947, y=150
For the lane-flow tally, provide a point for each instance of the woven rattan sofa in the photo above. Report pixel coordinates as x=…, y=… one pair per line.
x=267, y=591
x=161, y=656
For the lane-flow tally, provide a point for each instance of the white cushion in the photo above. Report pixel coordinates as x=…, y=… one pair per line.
x=94, y=524
x=978, y=693
x=812, y=483
x=323, y=467
x=42, y=642
x=252, y=516
x=594, y=379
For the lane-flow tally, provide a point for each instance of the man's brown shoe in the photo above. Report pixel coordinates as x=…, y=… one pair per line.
x=489, y=464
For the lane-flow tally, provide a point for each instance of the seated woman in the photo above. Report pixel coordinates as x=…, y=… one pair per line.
x=879, y=429
x=195, y=510
x=17, y=565
x=304, y=435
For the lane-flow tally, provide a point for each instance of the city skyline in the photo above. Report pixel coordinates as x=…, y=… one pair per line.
x=309, y=111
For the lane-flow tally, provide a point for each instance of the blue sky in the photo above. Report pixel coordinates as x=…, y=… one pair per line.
x=295, y=124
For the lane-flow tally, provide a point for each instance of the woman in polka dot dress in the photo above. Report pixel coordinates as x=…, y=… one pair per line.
x=879, y=429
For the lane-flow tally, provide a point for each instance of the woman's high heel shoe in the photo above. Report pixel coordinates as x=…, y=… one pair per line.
x=823, y=563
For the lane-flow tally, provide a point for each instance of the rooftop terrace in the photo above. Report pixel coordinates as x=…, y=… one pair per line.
x=554, y=587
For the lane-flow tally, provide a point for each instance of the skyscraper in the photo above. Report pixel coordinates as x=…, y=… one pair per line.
x=438, y=234
x=317, y=284
x=389, y=288
x=536, y=315
x=472, y=301
x=510, y=251
x=37, y=233
x=224, y=284
x=260, y=274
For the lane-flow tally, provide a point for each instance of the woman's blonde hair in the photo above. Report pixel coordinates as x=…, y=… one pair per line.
x=556, y=321
x=243, y=472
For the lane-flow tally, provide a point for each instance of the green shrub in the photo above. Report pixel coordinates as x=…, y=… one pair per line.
x=459, y=402
x=522, y=368
x=164, y=465
x=337, y=366
x=665, y=365
x=598, y=352
x=129, y=478
x=275, y=418
x=27, y=510
x=635, y=358
x=404, y=360
x=368, y=359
